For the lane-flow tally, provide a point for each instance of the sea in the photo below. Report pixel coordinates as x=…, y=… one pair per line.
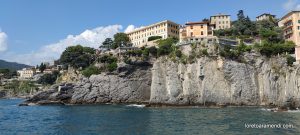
x=111, y=119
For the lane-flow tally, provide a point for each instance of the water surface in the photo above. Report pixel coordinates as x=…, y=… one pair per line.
x=130, y=120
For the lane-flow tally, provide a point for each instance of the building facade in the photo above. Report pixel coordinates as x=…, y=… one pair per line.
x=221, y=21
x=196, y=31
x=291, y=29
x=265, y=16
x=164, y=29
x=26, y=73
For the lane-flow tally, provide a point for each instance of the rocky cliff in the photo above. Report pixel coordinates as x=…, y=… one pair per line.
x=129, y=84
x=208, y=81
x=262, y=81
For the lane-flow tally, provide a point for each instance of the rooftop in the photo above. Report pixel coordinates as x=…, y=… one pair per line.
x=202, y=22
x=265, y=14
x=142, y=28
x=288, y=14
x=220, y=14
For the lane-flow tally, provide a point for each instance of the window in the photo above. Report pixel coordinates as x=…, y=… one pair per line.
x=201, y=32
x=201, y=26
x=191, y=27
x=192, y=34
x=298, y=27
x=298, y=21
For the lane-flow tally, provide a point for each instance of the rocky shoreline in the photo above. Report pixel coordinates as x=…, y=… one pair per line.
x=209, y=81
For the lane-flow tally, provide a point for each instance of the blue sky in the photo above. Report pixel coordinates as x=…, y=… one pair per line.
x=33, y=31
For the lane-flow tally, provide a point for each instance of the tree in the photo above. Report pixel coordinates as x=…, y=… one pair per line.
x=120, y=39
x=48, y=78
x=240, y=15
x=78, y=56
x=165, y=46
x=42, y=67
x=153, y=50
x=205, y=20
x=244, y=26
x=154, y=38
x=5, y=72
x=107, y=43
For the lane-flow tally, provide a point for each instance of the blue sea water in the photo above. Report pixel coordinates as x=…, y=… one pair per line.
x=131, y=120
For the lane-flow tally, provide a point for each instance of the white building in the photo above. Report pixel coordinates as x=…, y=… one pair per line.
x=26, y=73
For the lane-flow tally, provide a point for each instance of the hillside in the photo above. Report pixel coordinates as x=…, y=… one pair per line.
x=12, y=65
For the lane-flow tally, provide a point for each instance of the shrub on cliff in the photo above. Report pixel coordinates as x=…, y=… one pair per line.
x=110, y=63
x=77, y=56
x=48, y=79
x=269, y=49
x=153, y=51
x=165, y=46
x=107, y=59
x=154, y=38
x=112, y=66
x=91, y=70
x=290, y=60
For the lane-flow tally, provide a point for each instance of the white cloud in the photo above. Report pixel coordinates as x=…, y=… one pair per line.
x=3, y=41
x=291, y=5
x=131, y=28
x=91, y=38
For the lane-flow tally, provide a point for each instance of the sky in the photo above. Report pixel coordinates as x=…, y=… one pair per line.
x=35, y=31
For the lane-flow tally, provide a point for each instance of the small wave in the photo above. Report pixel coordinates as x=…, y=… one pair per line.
x=136, y=105
x=276, y=110
x=31, y=104
x=294, y=111
x=268, y=109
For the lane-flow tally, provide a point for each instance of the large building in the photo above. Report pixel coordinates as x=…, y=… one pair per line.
x=196, y=31
x=265, y=16
x=221, y=21
x=26, y=73
x=291, y=29
x=164, y=29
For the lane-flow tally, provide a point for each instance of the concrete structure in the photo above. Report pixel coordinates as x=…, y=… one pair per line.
x=26, y=73
x=196, y=31
x=265, y=16
x=291, y=29
x=164, y=29
x=221, y=21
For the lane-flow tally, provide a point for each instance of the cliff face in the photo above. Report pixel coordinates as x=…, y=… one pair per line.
x=208, y=81
x=217, y=81
x=129, y=85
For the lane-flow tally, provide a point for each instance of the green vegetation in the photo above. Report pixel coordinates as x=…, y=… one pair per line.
x=272, y=42
x=154, y=38
x=120, y=39
x=48, y=79
x=18, y=87
x=6, y=73
x=107, y=43
x=290, y=60
x=165, y=46
x=78, y=56
x=91, y=70
x=153, y=51
x=112, y=66
x=110, y=63
x=42, y=67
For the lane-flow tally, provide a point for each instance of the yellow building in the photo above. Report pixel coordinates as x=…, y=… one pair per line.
x=164, y=29
x=265, y=16
x=196, y=31
x=221, y=21
x=291, y=29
